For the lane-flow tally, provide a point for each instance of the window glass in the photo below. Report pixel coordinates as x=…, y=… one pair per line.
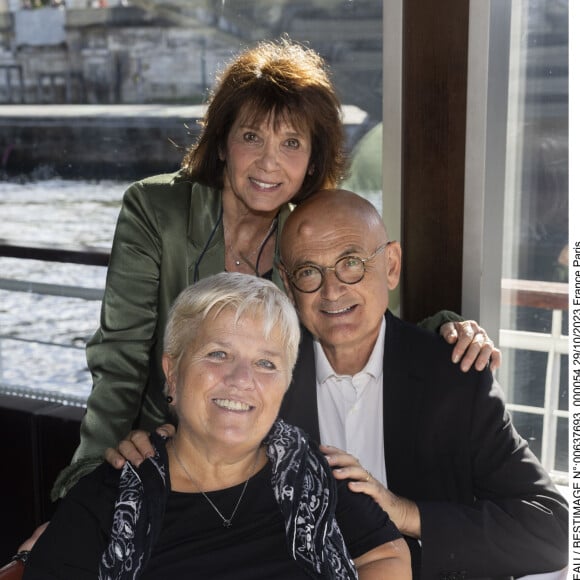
x=535, y=235
x=95, y=94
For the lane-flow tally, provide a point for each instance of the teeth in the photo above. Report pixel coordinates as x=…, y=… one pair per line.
x=341, y=311
x=264, y=185
x=232, y=405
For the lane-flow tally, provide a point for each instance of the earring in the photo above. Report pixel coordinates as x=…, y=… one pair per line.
x=169, y=399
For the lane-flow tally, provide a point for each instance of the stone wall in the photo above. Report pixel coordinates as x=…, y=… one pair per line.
x=152, y=51
x=113, y=55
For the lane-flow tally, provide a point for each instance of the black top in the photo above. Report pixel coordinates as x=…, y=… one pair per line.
x=193, y=541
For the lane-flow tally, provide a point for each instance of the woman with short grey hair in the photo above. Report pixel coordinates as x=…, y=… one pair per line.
x=236, y=493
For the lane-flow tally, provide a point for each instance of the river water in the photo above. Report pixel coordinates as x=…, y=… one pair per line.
x=42, y=337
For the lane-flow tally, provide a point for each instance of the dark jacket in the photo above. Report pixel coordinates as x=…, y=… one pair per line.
x=488, y=508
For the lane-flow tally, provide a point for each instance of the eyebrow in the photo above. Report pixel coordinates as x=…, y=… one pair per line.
x=228, y=344
x=350, y=251
x=255, y=127
x=272, y=353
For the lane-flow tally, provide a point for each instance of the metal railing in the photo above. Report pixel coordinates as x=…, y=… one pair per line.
x=552, y=296
x=87, y=256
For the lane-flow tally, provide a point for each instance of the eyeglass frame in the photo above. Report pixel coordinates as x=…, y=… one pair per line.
x=323, y=269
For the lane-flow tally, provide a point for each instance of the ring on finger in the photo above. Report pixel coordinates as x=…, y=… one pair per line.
x=369, y=476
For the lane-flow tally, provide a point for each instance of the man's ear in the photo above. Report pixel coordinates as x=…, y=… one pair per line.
x=394, y=257
x=170, y=374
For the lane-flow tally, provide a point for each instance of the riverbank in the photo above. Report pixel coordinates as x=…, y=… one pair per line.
x=110, y=141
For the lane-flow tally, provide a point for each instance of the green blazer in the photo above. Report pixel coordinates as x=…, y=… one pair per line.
x=168, y=235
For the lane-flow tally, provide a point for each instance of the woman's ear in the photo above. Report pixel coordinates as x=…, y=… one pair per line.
x=170, y=374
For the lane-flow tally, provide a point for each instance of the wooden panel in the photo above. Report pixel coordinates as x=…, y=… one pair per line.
x=435, y=40
x=535, y=294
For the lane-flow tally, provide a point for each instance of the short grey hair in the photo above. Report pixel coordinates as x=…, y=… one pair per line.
x=246, y=295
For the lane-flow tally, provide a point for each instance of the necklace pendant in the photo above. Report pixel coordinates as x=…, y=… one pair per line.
x=227, y=523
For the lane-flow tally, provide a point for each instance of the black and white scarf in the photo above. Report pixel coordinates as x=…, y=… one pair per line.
x=304, y=488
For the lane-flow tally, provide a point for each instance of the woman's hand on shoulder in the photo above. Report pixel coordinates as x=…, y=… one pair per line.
x=472, y=345
x=136, y=447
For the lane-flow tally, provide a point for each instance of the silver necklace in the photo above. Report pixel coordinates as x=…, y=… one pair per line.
x=227, y=522
x=246, y=259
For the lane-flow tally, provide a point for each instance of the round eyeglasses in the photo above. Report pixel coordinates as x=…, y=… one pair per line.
x=349, y=270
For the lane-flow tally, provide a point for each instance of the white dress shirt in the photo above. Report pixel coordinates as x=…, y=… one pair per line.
x=350, y=408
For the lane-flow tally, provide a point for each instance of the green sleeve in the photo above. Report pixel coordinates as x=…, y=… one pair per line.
x=118, y=354
x=435, y=322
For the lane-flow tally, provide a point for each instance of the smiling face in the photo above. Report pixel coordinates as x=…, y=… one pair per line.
x=230, y=382
x=265, y=163
x=346, y=318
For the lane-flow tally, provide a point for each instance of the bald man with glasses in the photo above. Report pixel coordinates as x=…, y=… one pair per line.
x=434, y=446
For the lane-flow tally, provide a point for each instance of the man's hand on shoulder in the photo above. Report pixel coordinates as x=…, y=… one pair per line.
x=403, y=512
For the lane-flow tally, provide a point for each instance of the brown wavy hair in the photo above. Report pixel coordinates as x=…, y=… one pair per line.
x=288, y=81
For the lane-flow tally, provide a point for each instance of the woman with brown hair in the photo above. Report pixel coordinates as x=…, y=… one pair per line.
x=272, y=136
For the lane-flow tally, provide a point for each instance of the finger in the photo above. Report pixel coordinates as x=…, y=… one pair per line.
x=448, y=332
x=131, y=453
x=362, y=487
x=167, y=430
x=354, y=473
x=475, y=350
x=114, y=458
x=345, y=460
x=328, y=448
x=464, y=340
x=495, y=360
x=141, y=442
x=336, y=456
x=371, y=488
x=484, y=355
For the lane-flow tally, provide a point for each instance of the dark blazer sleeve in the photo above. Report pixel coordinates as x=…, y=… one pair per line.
x=517, y=521
x=487, y=506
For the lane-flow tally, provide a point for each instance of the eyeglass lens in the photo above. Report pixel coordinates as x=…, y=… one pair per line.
x=348, y=270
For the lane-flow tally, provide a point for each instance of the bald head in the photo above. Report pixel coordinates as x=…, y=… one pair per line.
x=331, y=206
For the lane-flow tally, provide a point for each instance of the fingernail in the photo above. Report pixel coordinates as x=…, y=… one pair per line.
x=456, y=358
